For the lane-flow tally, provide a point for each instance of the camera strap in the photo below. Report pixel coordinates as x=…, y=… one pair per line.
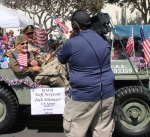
x=100, y=66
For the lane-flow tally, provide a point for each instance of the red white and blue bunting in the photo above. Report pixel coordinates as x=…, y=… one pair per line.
x=17, y=82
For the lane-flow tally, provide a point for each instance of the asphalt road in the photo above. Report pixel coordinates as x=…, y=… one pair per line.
x=34, y=132
x=37, y=126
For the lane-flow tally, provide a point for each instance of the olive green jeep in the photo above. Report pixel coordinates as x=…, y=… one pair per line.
x=132, y=90
x=134, y=99
x=14, y=94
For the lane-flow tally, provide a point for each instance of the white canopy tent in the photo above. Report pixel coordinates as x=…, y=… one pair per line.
x=9, y=18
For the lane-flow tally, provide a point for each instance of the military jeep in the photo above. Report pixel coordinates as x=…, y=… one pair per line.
x=14, y=93
x=134, y=99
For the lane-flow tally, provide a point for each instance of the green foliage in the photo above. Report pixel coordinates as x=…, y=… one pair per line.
x=91, y=5
x=43, y=9
x=111, y=1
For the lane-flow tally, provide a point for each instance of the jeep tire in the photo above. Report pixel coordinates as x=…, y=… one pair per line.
x=135, y=103
x=8, y=109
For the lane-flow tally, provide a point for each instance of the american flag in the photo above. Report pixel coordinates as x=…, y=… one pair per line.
x=22, y=59
x=146, y=45
x=130, y=45
x=63, y=27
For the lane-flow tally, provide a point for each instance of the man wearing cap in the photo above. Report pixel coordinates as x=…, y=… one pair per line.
x=24, y=62
x=23, y=67
x=28, y=33
x=91, y=97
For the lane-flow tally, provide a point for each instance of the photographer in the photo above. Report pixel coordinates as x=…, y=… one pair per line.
x=91, y=97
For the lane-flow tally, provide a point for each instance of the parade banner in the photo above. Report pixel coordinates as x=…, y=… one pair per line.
x=47, y=101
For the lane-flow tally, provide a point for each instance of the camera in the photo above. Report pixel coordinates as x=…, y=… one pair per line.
x=101, y=23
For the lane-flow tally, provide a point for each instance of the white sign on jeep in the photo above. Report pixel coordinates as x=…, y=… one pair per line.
x=47, y=101
x=117, y=69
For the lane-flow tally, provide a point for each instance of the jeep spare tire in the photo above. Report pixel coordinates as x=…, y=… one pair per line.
x=8, y=109
x=135, y=103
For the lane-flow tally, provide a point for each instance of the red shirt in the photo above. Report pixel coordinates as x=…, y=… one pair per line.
x=5, y=39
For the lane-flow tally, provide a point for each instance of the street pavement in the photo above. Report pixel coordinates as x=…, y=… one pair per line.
x=37, y=126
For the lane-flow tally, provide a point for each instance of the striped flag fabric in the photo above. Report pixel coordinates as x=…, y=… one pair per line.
x=130, y=45
x=63, y=27
x=57, y=20
x=22, y=59
x=146, y=45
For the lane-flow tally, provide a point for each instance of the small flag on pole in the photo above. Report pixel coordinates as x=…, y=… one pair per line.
x=130, y=45
x=146, y=45
x=63, y=27
x=22, y=59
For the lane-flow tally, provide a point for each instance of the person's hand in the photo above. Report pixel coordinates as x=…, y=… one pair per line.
x=36, y=50
x=33, y=63
x=9, y=51
x=37, y=68
x=67, y=90
x=48, y=56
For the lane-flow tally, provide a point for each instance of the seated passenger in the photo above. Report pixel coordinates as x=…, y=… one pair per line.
x=24, y=62
x=28, y=33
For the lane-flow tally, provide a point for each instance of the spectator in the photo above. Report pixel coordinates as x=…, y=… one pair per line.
x=115, y=54
x=11, y=39
x=51, y=40
x=1, y=39
x=21, y=33
x=5, y=37
x=122, y=54
x=139, y=52
x=124, y=42
x=2, y=45
x=51, y=43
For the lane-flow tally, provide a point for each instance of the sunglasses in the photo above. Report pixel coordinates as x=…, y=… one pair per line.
x=24, y=43
x=30, y=33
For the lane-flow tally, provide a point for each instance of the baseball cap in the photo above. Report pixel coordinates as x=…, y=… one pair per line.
x=19, y=40
x=28, y=29
x=81, y=17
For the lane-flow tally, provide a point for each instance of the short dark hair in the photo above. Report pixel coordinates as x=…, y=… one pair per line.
x=82, y=18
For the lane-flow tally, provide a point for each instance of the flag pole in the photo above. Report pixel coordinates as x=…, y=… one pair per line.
x=133, y=42
x=146, y=68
